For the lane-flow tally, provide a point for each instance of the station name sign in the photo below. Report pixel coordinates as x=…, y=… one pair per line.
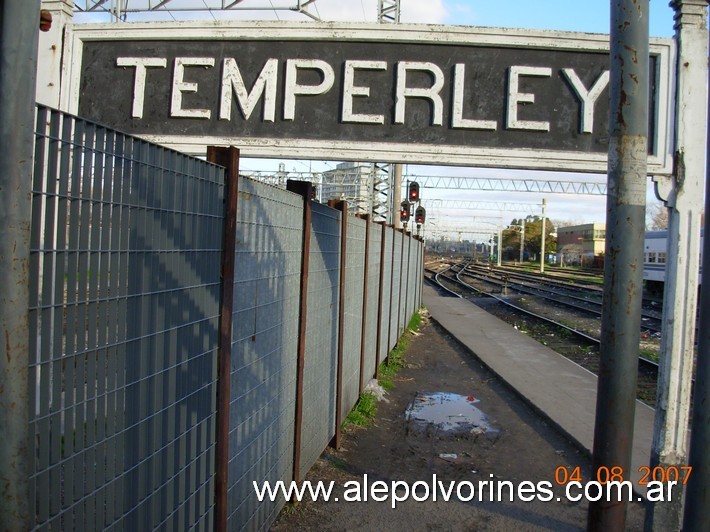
x=404, y=93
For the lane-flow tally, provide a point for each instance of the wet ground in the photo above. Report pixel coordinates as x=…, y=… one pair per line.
x=449, y=417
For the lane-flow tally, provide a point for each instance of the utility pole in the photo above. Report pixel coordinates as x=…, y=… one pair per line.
x=543, y=232
x=623, y=261
x=683, y=195
x=19, y=28
x=522, y=240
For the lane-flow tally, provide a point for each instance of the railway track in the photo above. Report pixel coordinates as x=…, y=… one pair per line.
x=579, y=346
x=560, y=293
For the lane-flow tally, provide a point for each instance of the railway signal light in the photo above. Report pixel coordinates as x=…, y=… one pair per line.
x=404, y=212
x=420, y=215
x=413, y=191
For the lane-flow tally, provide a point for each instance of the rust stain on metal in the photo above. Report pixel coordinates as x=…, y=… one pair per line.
x=7, y=347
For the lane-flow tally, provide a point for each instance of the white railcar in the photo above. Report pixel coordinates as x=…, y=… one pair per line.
x=654, y=257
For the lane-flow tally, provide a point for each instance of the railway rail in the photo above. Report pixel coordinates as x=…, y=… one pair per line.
x=452, y=275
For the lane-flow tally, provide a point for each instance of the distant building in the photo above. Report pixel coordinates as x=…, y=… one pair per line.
x=580, y=244
x=350, y=182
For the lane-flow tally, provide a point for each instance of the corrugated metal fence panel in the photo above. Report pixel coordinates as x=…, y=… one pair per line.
x=396, y=289
x=320, y=366
x=352, y=327
x=264, y=348
x=126, y=240
x=386, y=295
x=373, y=290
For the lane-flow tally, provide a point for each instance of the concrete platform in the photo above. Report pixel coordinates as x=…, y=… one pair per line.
x=560, y=389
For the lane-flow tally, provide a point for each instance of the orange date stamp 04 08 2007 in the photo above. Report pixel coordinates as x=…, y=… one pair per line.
x=658, y=481
x=678, y=474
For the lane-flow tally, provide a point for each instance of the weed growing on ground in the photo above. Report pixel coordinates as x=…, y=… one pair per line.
x=363, y=412
x=365, y=409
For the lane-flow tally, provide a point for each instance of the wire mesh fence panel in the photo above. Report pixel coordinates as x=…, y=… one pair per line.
x=125, y=251
x=264, y=352
x=396, y=300
x=373, y=289
x=352, y=326
x=386, y=294
x=321, y=356
x=404, y=313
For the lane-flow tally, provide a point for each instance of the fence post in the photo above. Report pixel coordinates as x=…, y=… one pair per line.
x=623, y=260
x=342, y=206
x=379, y=303
x=229, y=158
x=304, y=188
x=363, y=331
x=19, y=23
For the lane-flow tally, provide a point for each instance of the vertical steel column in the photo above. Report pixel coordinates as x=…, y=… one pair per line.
x=697, y=497
x=342, y=206
x=19, y=26
x=229, y=158
x=522, y=241
x=380, y=302
x=623, y=273
x=363, y=333
x=684, y=201
x=305, y=189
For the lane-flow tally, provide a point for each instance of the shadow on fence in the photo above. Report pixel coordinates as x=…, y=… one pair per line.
x=128, y=278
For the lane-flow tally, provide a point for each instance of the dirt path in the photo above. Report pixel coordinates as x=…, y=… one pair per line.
x=523, y=448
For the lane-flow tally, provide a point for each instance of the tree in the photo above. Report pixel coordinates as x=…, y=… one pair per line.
x=659, y=217
x=533, y=237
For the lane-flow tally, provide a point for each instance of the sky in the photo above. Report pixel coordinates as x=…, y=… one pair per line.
x=591, y=16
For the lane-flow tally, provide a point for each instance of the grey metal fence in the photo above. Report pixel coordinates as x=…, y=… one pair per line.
x=372, y=286
x=125, y=312
x=319, y=380
x=395, y=300
x=264, y=347
x=386, y=294
x=352, y=325
x=126, y=241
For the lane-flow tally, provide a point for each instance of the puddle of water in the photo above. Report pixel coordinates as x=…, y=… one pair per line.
x=450, y=412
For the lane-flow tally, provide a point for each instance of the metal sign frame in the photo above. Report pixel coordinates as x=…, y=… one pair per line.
x=398, y=150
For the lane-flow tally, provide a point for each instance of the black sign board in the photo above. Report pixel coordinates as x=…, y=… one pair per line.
x=411, y=94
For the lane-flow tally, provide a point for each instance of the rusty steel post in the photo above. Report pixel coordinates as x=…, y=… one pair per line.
x=304, y=188
x=342, y=206
x=363, y=332
x=229, y=158
x=697, y=500
x=19, y=27
x=623, y=268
